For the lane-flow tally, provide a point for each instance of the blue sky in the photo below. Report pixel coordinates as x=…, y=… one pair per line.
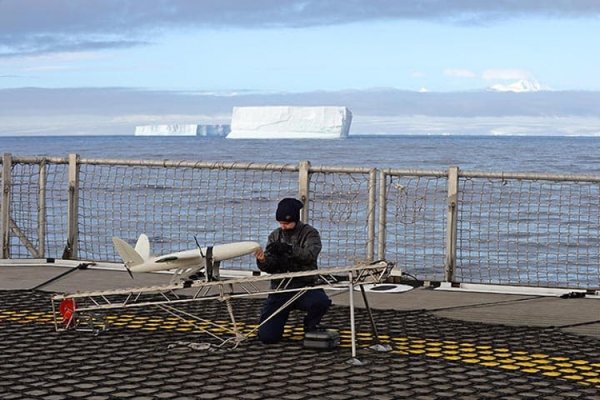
x=400, y=54
x=238, y=47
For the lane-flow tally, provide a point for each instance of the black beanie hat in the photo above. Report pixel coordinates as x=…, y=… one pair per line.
x=288, y=210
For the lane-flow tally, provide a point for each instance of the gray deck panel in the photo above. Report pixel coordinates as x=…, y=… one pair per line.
x=131, y=362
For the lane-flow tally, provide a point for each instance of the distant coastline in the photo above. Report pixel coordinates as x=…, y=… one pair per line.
x=350, y=136
x=384, y=111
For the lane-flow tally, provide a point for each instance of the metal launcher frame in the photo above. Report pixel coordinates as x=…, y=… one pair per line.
x=78, y=310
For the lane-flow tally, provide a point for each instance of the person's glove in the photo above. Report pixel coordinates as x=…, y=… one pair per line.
x=279, y=249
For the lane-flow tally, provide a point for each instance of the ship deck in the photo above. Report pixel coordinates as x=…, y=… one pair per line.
x=445, y=344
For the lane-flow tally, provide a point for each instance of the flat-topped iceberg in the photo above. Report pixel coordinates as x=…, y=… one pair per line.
x=167, y=130
x=290, y=122
x=221, y=130
x=183, y=130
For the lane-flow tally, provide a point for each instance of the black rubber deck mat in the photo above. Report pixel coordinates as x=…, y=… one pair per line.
x=143, y=355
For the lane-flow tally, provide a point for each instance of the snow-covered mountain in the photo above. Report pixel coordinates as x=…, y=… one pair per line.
x=519, y=86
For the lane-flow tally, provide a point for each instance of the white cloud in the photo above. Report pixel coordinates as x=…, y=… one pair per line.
x=60, y=61
x=506, y=75
x=459, y=73
x=40, y=26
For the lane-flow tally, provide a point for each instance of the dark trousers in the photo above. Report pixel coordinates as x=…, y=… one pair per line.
x=314, y=302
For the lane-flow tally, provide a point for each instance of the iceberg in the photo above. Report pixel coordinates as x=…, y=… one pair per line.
x=290, y=122
x=166, y=130
x=220, y=130
x=183, y=130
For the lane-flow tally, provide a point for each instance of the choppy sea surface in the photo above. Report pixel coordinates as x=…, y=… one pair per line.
x=565, y=241
x=556, y=155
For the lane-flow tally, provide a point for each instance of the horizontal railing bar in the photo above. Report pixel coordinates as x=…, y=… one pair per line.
x=193, y=164
x=317, y=168
x=38, y=160
x=528, y=176
x=495, y=175
x=345, y=170
x=161, y=163
x=416, y=172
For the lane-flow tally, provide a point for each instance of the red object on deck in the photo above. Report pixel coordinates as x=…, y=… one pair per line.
x=67, y=308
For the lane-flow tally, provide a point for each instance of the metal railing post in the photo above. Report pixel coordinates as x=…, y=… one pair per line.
x=72, y=208
x=452, y=224
x=381, y=232
x=42, y=208
x=371, y=207
x=303, y=188
x=6, y=189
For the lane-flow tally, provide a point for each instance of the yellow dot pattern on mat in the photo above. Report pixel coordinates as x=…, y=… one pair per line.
x=577, y=370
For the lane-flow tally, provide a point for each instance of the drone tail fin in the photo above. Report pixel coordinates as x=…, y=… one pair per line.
x=130, y=256
x=142, y=247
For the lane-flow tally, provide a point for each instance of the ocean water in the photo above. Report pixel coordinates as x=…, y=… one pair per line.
x=551, y=155
x=557, y=155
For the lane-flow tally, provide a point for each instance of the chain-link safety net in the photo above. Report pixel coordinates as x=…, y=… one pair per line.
x=522, y=229
x=415, y=230
x=339, y=209
x=178, y=204
x=38, y=218
x=529, y=232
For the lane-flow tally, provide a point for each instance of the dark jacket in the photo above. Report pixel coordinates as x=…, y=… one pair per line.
x=304, y=247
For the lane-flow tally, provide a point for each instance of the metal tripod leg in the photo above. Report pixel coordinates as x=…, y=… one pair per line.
x=378, y=346
x=353, y=360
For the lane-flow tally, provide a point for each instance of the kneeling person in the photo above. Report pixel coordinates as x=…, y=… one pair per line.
x=293, y=247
